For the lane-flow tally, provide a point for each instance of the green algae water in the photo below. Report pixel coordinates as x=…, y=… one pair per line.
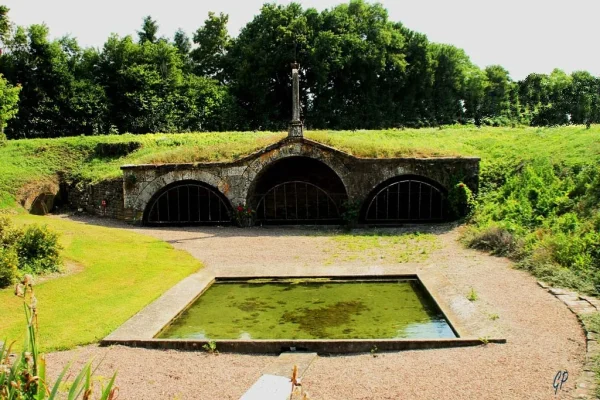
x=312, y=309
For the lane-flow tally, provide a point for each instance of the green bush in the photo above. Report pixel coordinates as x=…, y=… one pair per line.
x=38, y=250
x=547, y=217
x=8, y=266
x=460, y=198
x=9, y=234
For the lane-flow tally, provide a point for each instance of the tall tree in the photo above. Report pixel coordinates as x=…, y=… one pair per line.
x=149, y=30
x=9, y=98
x=212, y=41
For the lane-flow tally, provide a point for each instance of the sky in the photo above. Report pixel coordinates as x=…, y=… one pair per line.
x=523, y=36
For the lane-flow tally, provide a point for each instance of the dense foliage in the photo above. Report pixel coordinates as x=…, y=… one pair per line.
x=358, y=70
x=30, y=250
x=547, y=217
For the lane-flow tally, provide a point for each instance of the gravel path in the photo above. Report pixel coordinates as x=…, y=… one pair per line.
x=543, y=335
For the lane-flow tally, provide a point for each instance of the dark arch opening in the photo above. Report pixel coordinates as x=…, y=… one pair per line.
x=298, y=190
x=406, y=199
x=43, y=204
x=188, y=203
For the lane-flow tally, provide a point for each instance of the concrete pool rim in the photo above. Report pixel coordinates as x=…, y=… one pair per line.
x=141, y=329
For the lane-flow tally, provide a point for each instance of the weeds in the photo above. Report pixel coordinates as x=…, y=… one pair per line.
x=472, y=296
x=211, y=347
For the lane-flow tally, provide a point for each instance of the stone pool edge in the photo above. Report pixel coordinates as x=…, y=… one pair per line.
x=141, y=329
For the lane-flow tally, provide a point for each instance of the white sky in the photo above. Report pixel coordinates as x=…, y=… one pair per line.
x=524, y=36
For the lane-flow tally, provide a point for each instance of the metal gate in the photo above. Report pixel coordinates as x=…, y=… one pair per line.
x=298, y=201
x=190, y=203
x=405, y=201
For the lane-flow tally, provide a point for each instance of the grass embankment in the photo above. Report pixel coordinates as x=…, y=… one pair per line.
x=122, y=271
x=25, y=161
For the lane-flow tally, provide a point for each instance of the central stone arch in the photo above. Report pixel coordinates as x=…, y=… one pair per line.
x=297, y=189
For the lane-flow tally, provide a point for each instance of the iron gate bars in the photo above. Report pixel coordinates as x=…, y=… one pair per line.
x=190, y=203
x=297, y=201
x=407, y=200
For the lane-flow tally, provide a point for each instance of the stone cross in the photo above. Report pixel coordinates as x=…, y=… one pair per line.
x=295, y=129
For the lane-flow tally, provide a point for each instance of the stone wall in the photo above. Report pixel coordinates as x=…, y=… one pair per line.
x=237, y=180
x=88, y=198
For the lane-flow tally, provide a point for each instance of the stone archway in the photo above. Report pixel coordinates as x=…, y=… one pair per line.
x=405, y=199
x=150, y=189
x=188, y=202
x=297, y=189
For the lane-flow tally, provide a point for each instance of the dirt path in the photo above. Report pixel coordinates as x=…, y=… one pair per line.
x=543, y=335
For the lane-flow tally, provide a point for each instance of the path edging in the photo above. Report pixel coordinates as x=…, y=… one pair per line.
x=585, y=385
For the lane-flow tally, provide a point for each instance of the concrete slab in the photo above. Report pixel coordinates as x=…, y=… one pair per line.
x=152, y=319
x=284, y=364
x=269, y=387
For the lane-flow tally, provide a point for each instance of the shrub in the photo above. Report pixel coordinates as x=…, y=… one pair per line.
x=243, y=216
x=38, y=250
x=460, y=198
x=495, y=239
x=8, y=266
x=9, y=234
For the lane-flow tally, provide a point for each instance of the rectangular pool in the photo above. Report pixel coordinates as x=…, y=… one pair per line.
x=312, y=309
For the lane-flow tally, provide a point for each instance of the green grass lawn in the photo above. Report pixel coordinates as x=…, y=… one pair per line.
x=122, y=271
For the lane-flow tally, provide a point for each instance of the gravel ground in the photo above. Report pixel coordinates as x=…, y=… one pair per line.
x=543, y=336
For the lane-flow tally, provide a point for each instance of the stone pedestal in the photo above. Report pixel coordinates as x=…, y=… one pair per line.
x=295, y=129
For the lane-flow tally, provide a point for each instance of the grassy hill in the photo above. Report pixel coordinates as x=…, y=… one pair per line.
x=94, y=158
x=539, y=193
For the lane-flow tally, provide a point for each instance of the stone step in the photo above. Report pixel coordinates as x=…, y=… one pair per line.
x=275, y=383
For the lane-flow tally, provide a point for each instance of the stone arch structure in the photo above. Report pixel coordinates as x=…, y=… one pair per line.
x=237, y=180
x=303, y=148
x=297, y=189
x=187, y=202
x=405, y=198
x=150, y=188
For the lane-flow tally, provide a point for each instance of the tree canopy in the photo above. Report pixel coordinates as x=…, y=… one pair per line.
x=358, y=70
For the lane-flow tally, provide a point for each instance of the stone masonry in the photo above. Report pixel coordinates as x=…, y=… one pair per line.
x=236, y=180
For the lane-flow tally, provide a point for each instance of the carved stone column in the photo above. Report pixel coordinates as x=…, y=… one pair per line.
x=295, y=128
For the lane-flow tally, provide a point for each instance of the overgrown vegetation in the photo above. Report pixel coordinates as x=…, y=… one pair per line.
x=119, y=272
x=546, y=216
x=33, y=249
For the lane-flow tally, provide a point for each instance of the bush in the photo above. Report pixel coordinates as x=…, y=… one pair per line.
x=460, y=198
x=9, y=234
x=8, y=266
x=38, y=250
x=496, y=240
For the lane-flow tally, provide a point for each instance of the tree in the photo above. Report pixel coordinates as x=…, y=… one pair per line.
x=497, y=95
x=9, y=98
x=213, y=41
x=184, y=46
x=149, y=31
